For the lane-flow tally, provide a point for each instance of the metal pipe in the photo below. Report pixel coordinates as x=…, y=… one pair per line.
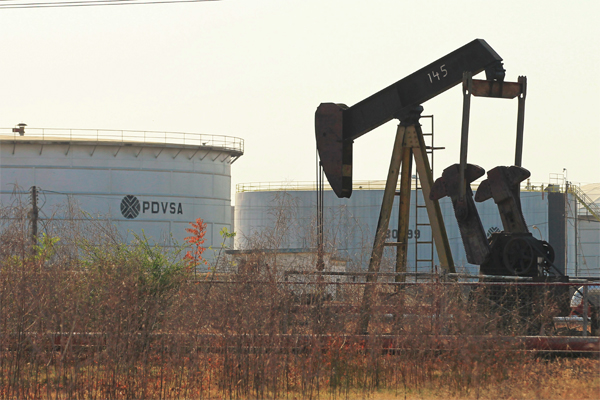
x=520, y=121
x=400, y=284
x=583, y=280
x=464, y=135
x=585, y=310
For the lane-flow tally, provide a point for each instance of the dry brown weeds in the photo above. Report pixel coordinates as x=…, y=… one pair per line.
x=88, y=317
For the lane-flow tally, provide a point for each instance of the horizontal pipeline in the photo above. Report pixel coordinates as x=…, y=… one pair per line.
x=428, y=275
x=323, y=283
x=299, y=342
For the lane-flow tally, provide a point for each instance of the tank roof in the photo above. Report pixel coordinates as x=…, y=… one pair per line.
x=356, y=186
x=107, y=137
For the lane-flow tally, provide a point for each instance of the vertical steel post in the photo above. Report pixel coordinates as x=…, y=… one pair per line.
x=585, y=310
x=404, y=212
x=566, y=210
x=520, y=121
x=33, y=229
x=464, y=135
x=320, y=219
x=576, y=239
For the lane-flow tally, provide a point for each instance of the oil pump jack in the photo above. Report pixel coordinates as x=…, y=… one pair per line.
x=511, y=252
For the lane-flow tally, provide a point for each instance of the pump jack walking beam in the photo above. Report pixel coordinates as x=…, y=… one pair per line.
x=337, y=125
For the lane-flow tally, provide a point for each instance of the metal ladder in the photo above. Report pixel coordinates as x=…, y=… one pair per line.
x=424, y=247
x=591, y=207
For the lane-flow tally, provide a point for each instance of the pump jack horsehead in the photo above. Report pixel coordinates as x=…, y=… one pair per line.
x=337, y=126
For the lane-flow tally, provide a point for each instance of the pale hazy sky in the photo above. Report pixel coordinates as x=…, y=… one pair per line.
x=258, y=70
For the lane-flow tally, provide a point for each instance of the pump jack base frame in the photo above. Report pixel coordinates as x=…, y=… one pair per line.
x=409, y=138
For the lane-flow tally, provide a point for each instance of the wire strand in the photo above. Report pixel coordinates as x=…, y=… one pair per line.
x=90, y=3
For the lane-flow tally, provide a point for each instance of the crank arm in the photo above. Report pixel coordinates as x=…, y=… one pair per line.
x=471, y=230
x=503, y=185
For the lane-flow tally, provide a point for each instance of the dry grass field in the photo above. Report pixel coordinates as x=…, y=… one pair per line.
x=84, y=316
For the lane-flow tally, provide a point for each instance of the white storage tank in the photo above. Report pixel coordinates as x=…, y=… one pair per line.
x=155, y=181
x=287, y=213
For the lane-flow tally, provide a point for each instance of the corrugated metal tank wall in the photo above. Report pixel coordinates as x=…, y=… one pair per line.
x=157, y=188
x=350, y=224
x=588, y=260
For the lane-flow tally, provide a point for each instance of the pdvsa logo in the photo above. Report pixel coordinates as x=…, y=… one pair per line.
x=131, y=207
x=161, y=207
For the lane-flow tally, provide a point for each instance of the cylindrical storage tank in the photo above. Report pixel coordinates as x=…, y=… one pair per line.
x=285, y=215
x=157, y=182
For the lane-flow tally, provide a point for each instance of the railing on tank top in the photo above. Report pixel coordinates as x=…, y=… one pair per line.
x=124, y=136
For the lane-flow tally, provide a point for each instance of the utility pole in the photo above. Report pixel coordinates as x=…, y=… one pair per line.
x=33, y=229
x=567, y=209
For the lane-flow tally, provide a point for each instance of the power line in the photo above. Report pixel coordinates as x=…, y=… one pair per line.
x=82, y=3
